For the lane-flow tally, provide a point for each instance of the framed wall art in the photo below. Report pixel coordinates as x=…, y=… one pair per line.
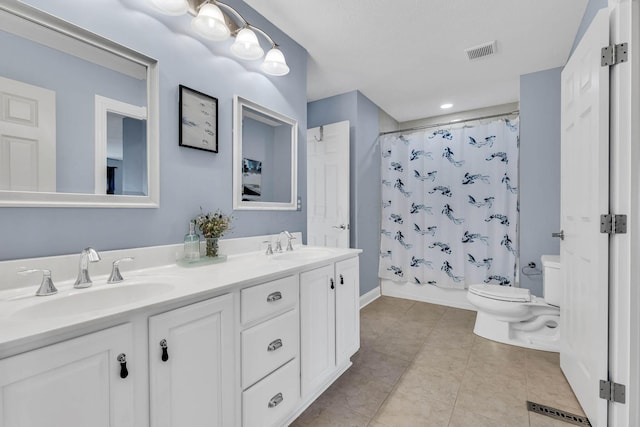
x=198, y=120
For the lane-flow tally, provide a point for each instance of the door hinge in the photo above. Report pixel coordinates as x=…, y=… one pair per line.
x=613, y=392
x=612, y=55
x=613, y=224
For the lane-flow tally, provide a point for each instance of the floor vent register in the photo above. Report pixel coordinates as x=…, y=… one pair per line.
x=579, y=420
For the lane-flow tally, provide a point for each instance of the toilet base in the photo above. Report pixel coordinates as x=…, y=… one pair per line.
x=544, y=338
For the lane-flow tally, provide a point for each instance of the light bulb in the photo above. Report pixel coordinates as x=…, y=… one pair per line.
x=274, y=63
x=246, y=45
x=210, y=23
x=171, y=7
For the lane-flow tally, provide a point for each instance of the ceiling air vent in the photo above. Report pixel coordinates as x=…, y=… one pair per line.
x=485, y=49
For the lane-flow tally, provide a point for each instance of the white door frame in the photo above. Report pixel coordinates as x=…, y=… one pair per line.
x=624, y=297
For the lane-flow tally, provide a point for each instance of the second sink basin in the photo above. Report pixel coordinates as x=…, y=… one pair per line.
x=303, y=254
x=81, y=301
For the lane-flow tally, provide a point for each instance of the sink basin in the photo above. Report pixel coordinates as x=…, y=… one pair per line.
x=303, y=254
x=81, y=301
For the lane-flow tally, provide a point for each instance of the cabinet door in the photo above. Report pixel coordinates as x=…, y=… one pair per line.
x=347, y=309
x=317, y=326
x=192, y=380
x=76, y=383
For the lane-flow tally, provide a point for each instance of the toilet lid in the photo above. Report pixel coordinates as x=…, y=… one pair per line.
x=502, y=293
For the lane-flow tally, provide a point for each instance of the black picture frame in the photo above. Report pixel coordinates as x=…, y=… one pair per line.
x=198, y=120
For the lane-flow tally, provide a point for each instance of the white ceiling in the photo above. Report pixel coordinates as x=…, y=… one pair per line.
x=408, y=57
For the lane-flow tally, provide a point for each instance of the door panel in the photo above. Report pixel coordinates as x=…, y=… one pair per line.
x=328, y=185
x=584, y=197
x=27, y=137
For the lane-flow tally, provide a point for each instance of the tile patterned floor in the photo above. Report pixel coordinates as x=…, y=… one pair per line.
x=420, y=364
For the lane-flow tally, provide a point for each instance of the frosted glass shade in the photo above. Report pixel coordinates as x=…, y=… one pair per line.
x=210, y=23
x=274, y=63
x=246, y=45
x=171, y=7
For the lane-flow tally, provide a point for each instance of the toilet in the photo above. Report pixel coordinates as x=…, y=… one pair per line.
x=514, y=316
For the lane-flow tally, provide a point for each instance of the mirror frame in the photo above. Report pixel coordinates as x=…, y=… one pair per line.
x=77, y=38
x=238, y=204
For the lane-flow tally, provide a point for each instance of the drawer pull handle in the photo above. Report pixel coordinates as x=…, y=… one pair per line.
x=341, y=279
x=332, y=283
x=165, y=352
x=276, y=400
x=122, y=360
x=274, y=345
x=275, y=296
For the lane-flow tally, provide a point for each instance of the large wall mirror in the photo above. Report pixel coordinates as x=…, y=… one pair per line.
x=78, y=116
x=265, y=158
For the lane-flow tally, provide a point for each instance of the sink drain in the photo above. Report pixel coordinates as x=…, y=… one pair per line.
x=568, y=417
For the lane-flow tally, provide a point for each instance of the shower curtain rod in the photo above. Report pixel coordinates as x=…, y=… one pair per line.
x=449, y=123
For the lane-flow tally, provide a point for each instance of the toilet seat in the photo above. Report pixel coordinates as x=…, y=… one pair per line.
x=501, y=293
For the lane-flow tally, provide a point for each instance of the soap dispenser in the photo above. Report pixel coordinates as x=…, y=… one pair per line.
x=192, y=244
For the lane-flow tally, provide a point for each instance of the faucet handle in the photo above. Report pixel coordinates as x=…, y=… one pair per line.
x=269, y=250
x=46, y=286
x=115, y=276
x=290, y=237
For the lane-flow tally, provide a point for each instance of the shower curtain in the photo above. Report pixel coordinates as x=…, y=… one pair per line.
x=450, y=205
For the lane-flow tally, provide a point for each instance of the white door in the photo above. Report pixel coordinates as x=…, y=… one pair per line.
x=317, y=327
x=328, y=185
x=76, y=383
x=191, y=365
x=27, y=137
x=347, y=309
x=584, y=197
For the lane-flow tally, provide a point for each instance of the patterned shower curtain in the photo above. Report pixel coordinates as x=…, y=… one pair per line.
x=450, y=205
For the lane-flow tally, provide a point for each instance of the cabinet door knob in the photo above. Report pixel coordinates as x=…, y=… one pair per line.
x=275, y=296
x=165, y=352
x=332, y=283
x=275, y=400
x=341, y=279
x=122, y=359
x=274, y=345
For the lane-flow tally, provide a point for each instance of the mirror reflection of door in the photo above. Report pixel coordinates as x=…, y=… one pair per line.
x=126, y=172
x=27, y=137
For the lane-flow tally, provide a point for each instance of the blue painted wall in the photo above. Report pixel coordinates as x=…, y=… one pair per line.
x=364, y=173
x=188, y=178
x=539, y=170
x=593, y=7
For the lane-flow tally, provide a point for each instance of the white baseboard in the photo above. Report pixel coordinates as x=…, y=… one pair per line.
x=432, y=294
x=369, y=297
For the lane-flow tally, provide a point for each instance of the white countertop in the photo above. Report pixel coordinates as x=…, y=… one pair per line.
x=24, y=322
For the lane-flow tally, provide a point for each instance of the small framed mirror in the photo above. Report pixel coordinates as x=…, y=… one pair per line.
x=265, y=158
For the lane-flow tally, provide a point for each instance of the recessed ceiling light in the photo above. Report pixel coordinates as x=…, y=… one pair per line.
x=445, y=106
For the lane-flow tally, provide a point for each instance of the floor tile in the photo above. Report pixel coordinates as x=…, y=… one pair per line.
x=463, y=418
x=403, y=409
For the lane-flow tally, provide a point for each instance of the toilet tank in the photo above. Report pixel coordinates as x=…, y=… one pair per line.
x=551, y=280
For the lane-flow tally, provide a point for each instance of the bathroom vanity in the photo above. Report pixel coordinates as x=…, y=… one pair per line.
x=248, y=342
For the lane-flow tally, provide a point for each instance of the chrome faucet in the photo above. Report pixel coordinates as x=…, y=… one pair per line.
x=290, y=237
x=86, y=256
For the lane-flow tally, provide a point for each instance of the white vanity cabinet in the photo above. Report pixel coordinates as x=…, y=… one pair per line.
x=329, y=322
x=191, y=365
x=75, y=383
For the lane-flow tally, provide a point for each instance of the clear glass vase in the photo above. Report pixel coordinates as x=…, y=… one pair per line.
x=212, y=247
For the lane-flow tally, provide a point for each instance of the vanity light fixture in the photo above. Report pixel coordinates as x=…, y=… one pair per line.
x=446, y=106
x=213, y=23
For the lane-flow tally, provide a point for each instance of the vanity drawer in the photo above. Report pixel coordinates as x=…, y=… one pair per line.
x=268, y=299
x=272, y=399
x=268, y=346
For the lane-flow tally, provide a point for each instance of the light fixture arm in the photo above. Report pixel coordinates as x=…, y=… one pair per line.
x=245, y=23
